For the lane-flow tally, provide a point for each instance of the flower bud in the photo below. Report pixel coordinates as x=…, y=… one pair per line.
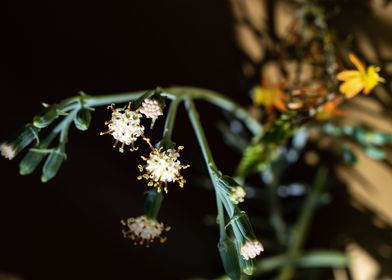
x=30, y=161
x=229, y=257
x=235, y=191
x=11, y=148
x=244, y=226
x=52, y=164
x=247, y=266
x=82, y=119
x=46, y=117
x=249, y=246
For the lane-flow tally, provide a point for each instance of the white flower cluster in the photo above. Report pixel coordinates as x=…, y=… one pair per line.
x=251, y=249
x=163, y=166
x=7, y=151
x=237, y=194
x=143, y=230
x=151, y=108
x=125, y=127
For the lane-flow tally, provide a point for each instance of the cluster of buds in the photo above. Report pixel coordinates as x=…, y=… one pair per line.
x=151, y=108
x=233, y=190
x=250, y=247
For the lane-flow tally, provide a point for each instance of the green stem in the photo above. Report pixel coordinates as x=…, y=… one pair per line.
x=169, y=123
x=64, y=127
x=222, y=102
x=201, y=137
x=221, y=216
x=301, y=229
x=206, y=151
x=210, y=96
x=153, y=203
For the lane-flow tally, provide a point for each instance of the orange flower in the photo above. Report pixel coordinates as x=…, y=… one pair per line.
x=354, y=81
x=329, y=109
x=269, y=97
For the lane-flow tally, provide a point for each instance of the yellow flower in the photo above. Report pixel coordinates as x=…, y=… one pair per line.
x=269, y=97
x=354, y=81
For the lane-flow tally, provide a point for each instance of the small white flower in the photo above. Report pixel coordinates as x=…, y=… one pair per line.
x=7, y=151
x=237, y=194
x=151, y=108
x=143, y=230
x=251, y=249
x=125, y=127
x=163, y=166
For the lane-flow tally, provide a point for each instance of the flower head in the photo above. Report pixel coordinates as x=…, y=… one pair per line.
x=143, y=230
x=163, y=166
x=151, y=108
x=24, y=137
x=237, y=194
x=251, y=249
x=249, y=246
x=7, y=151
x=269, y=97
x=125, y=127
x=354, y=81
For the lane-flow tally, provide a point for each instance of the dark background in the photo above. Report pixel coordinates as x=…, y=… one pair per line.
x=69, y=228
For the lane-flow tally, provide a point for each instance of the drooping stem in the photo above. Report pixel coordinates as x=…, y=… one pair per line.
x=210, y=96
x=209, y=160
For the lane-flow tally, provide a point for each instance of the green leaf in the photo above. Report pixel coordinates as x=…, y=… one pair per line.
x=323, y=258
x=229, y=257
x=375, y=153
x=310, y=259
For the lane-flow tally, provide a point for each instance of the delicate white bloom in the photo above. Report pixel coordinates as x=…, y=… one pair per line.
x=7, y=151
x=237, y=194
x=125, y=127
x=251, y=249
x=143, y=230
x=151, y=108
x=163, y=166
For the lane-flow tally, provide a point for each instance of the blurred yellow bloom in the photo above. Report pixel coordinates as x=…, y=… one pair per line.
x=354, y=81
x=269, y=97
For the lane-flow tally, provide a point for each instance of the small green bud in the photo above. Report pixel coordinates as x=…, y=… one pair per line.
x=52, y=164
x=248, y=266
x=46, y=117
x=26, y=135
x=30, y=161
x=230, y=259
x=242, y=223
x=228, y=181
x=82, y=119
x=234, y=190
